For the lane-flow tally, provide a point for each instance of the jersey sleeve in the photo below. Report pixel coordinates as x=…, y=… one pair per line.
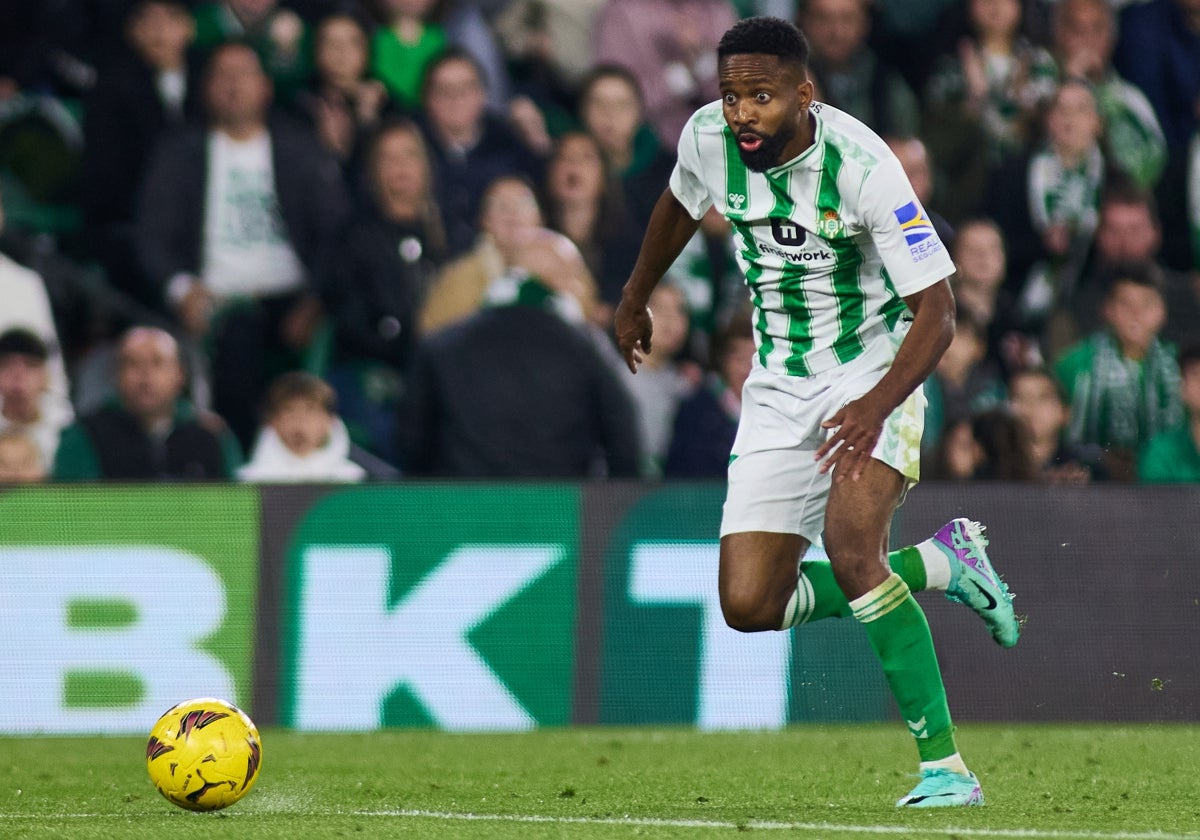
x=687, y=182
x=913, y=254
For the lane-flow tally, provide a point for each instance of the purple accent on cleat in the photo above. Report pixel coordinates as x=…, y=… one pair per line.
x=974, y=582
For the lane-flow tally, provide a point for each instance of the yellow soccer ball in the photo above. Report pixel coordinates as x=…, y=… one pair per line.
x=204, y=754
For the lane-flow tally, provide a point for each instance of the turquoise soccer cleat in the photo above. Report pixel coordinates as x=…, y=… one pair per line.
x=940, y=788
x=974, y=582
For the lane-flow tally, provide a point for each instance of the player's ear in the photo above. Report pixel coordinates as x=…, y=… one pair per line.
x=805, y=92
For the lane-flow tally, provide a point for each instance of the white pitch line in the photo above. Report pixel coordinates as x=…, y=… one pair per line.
x=655, y=822
x=652, y=822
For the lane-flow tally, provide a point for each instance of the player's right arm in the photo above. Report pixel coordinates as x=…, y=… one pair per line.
x=669, y=229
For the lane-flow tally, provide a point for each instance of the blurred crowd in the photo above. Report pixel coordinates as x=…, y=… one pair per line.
x=312, y=240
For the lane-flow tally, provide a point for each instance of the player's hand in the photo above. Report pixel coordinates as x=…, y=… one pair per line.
x=858, y=425
x=633, y=327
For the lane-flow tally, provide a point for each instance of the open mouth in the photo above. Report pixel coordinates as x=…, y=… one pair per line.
x=749, y=142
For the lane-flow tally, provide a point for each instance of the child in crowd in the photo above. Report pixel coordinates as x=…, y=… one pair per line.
x=1173, y=456
x=303, y=439
x=1122, y=382
x=27, y=404
x=1037, y=400
x=963, y=384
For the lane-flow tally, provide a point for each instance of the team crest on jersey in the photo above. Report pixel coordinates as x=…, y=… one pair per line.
x=736, y=200
x=786, y=233
x=830, y=225
x=918, y=231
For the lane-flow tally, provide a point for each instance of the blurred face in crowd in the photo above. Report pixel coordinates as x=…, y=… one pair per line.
x=149, y=374
x=408, y=8
x=238, y=91
x=736, y=362
x=961, y=453
x=303, y=425
x=1073, y=122
x=1127, y=232
x=979, y=256
x=671, y=319
x=1035, y=401
x=836, y=28
x=251, y=12
x=1190, y=388
x=1084, y=35
x=612, y=111
x=23, y=380
x=914, y=158
x=401, y=167
x=341, y=52
x=966, y=350
x=995, y=18
x=1136, y=313
x=20, y=460
x=510, y=212
x=576, y=172
x=455, y=98
x=161, y=33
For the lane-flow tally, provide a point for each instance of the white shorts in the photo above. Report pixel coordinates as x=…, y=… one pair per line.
x=774, y=482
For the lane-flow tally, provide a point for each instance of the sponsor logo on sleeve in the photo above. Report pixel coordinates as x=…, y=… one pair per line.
x=918, y=231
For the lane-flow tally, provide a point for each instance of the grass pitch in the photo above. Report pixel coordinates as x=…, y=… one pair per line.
x=1041, y=781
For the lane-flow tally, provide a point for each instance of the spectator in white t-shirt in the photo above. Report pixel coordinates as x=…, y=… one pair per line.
x=231, y=221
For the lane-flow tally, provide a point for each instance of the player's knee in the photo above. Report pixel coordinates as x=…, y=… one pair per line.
x=748, y=611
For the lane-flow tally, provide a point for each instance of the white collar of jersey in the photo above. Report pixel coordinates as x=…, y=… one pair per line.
x=811, y=157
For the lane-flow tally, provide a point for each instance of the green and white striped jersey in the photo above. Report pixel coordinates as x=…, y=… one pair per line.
x=830, y=242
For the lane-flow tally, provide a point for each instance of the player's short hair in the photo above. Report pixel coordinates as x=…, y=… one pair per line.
x=299, y=385
x=765, y=36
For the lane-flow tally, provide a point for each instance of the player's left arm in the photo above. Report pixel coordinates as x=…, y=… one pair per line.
x=859, y=423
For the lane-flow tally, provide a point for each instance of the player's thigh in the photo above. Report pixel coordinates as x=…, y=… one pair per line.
x=858, y=517
x=758, y=568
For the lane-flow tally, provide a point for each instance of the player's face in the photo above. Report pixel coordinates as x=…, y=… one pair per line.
x=766, y=104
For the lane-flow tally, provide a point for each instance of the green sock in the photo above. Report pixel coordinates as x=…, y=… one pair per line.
x=900, y=636
x=818, y=595
x=908, y=563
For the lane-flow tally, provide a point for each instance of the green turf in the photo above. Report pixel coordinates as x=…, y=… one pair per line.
x=1040, y=781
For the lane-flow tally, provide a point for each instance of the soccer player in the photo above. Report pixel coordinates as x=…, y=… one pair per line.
x=852, y=311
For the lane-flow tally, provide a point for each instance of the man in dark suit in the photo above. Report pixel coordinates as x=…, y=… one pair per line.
x=517, y=391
